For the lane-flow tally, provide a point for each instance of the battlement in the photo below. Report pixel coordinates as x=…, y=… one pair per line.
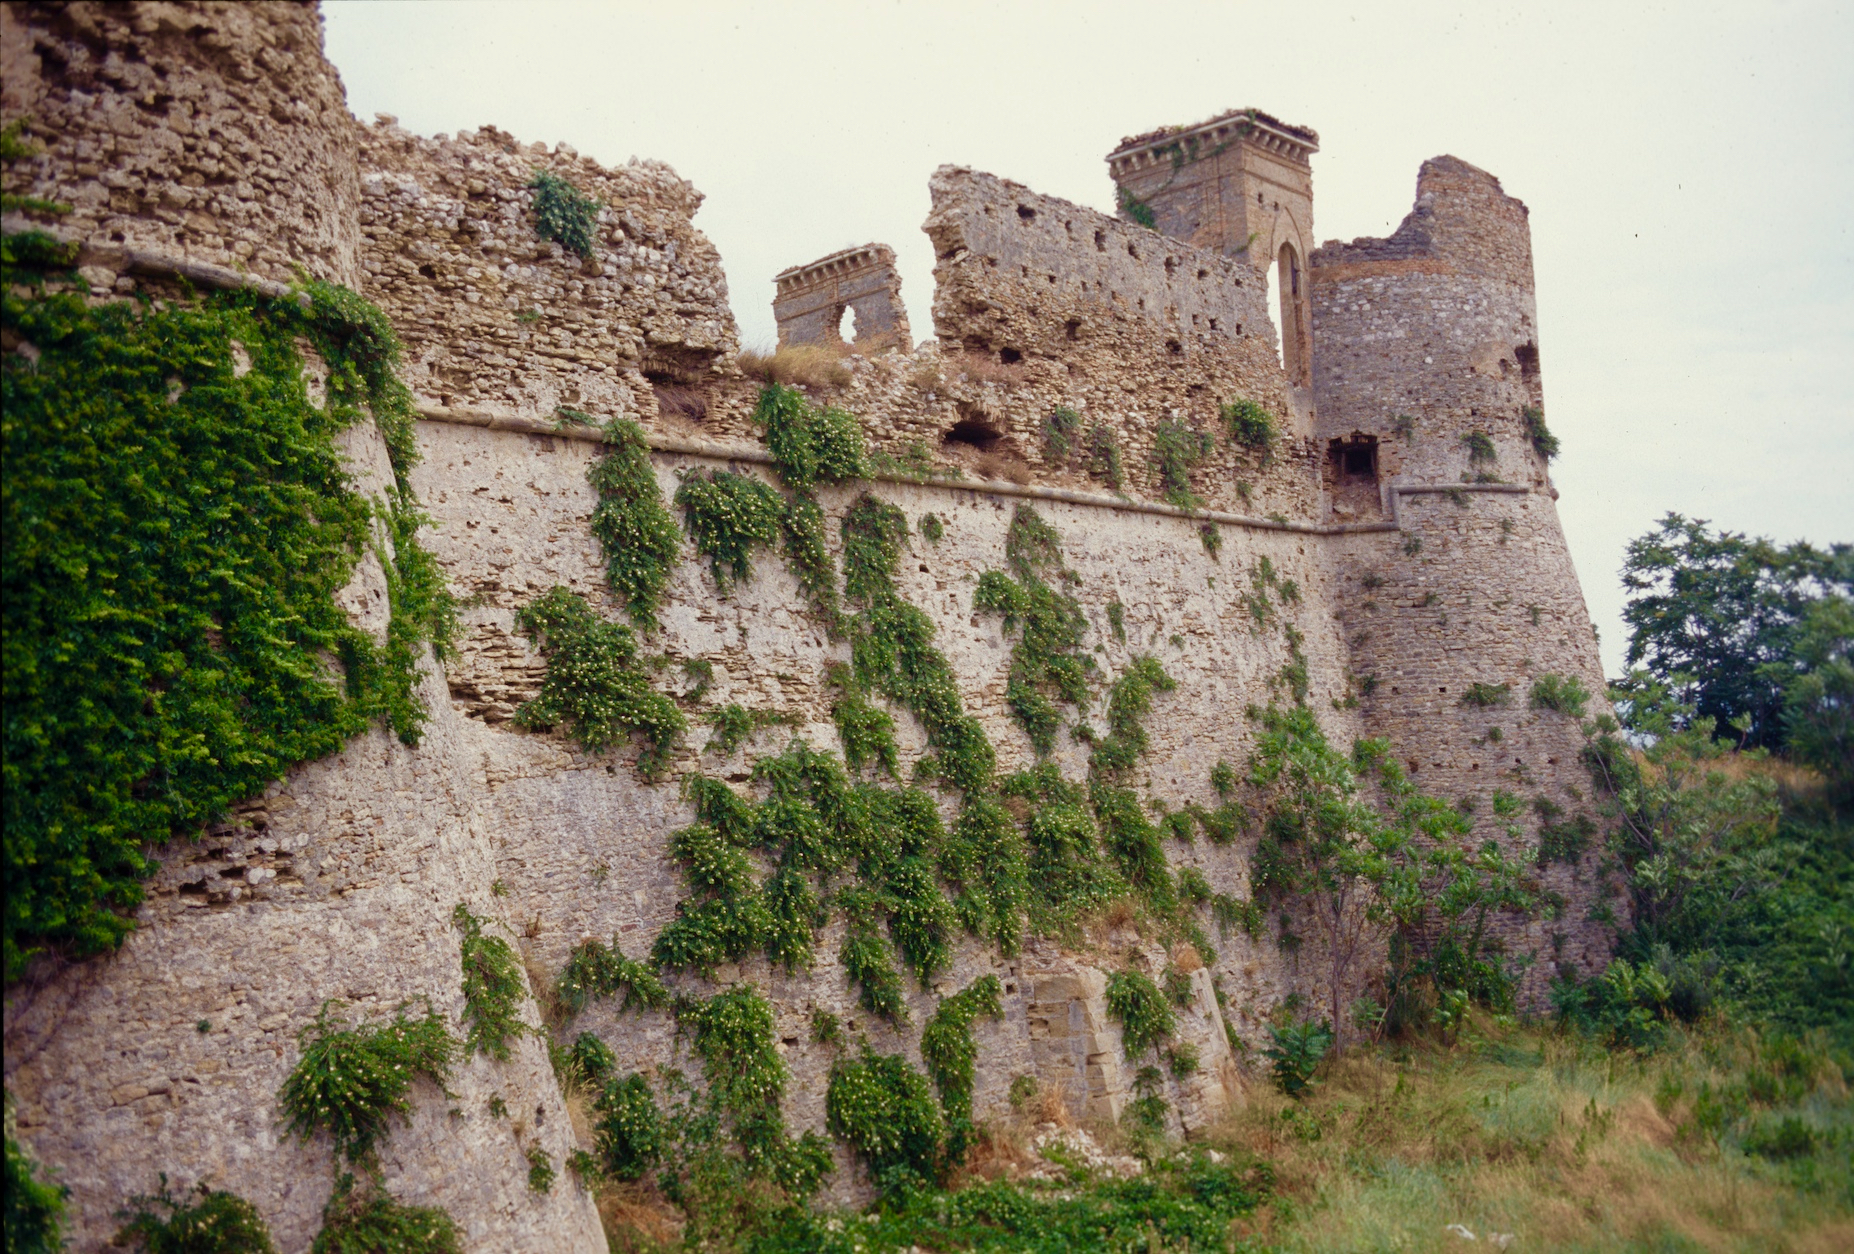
x=1175, y=144
x=811, y=299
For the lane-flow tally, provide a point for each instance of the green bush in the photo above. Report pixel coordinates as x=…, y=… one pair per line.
x=1176, y=448
x=351, y=1079
x=1565, y=694
x=629, y=1130
x=595, y=970
x=1532, y=419
x=1295, y=1055
x=727, y=517
x=883, y=1110
x=949, y=1052
x=809, y=445
x=1145, y=1017
x=563, y=213
x=1486, y=696
x=218, y=1223
x=1248, y=424
x=34, y=1205
x=367, y=1221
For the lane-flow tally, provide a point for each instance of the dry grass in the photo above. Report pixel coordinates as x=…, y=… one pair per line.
x=637, y=1219
x=816, y=366
x=1564, y=1146
x=1005, y=466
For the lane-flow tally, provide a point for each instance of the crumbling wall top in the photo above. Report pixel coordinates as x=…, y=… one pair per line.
x=1463, y=222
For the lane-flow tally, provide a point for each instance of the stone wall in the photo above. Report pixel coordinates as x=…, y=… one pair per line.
x=210, y=131
x=339, y=882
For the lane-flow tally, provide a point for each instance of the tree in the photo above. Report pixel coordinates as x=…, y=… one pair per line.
x=1720, y=616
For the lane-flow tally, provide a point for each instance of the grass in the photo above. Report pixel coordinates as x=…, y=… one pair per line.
x=1550, y=1138
x=818, y=367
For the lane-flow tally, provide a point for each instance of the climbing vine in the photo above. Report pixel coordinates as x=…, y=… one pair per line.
x=949, y=1052
x=637, y=533
x=178, y=520
x=1046, y=660
x=352, y=1078
x=727, y=517
x=593, y=682
x=493, y=988
x=563, y=213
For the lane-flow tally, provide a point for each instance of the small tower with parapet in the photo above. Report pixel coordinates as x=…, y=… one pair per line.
x=1240, y=184
x=811, y=300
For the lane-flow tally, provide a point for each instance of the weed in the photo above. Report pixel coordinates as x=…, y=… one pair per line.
x=540, y=1170
x=883, y=1109
x=1176, y=448
x=1404, y=426
x=809, y=559
x=1104, y=461
x=639, y=536
x=367, y=1220
x=949, y=1052
x=563, y=213
x=1117, y=620
x=1061, y=435
x=1249, y=425
x=1137, y=210
x=1046, y=660
x=1212, y=537
x=1532, y=420
x=1486, y=696
x=816, y=366
x=594, y=970
x=629, y=1132
x=1412, y=546
x=1480, y=446
x=1142, y=1011
x=1295, y=1055
x=727, y=516
x=809, y=445
x=1564, y=694
x=733, y=724
x=931, y=528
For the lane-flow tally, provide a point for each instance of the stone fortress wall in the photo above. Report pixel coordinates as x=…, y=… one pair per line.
x=340, y=881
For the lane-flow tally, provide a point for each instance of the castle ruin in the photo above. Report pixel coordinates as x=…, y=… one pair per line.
x=1405, y=497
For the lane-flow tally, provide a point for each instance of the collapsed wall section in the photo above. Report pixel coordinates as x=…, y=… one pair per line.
x=207, y=131
x=497, y=318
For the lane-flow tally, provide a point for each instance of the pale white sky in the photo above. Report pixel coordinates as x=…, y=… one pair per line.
x=1689, y=168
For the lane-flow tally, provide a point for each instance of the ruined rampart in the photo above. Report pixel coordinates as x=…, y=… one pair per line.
x=1375, y=585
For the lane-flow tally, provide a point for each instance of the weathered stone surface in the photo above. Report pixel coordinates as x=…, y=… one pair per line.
x=339, y=882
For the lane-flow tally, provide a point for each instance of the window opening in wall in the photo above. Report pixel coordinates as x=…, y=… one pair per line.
x=1353, y=459
x=846, y=324
x=1274, y=305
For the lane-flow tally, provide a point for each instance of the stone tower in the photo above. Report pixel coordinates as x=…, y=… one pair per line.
x=1239, y=184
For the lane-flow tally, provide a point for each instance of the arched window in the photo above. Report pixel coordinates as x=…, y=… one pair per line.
x=1288, y=286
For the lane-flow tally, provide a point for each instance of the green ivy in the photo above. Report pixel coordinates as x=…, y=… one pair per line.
x=563, y=213
x=34, y=1204
x=1129, y=701
x=493, y=988
x=541, y=1172
x=638, y=534
x=1532, y=420
x=175, y=534
x=1067, y=874
x=727, y=516
x=1047, y=659
x=217, y=1223
x=883, y=1109
x=594, y=970
x=866, y=729
x=949, y=1052
x=1144, y=1015
x=593, y=682
x=868, y=961
x=808, y=557
x=351, y=1079
x=726, y=917
x=733, y=1036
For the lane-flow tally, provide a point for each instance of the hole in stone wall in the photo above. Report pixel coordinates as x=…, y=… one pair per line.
x=975, y=432
x=1174, y=347
x=1009, y=356
x=1527, y=355
x=1354, y=459
x=428, y=271
x=1072, y=328
x=1026, y=213
x=1100, y=241
x=1171, y=266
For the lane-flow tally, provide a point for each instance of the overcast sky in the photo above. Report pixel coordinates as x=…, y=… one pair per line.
x=1689, y=167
